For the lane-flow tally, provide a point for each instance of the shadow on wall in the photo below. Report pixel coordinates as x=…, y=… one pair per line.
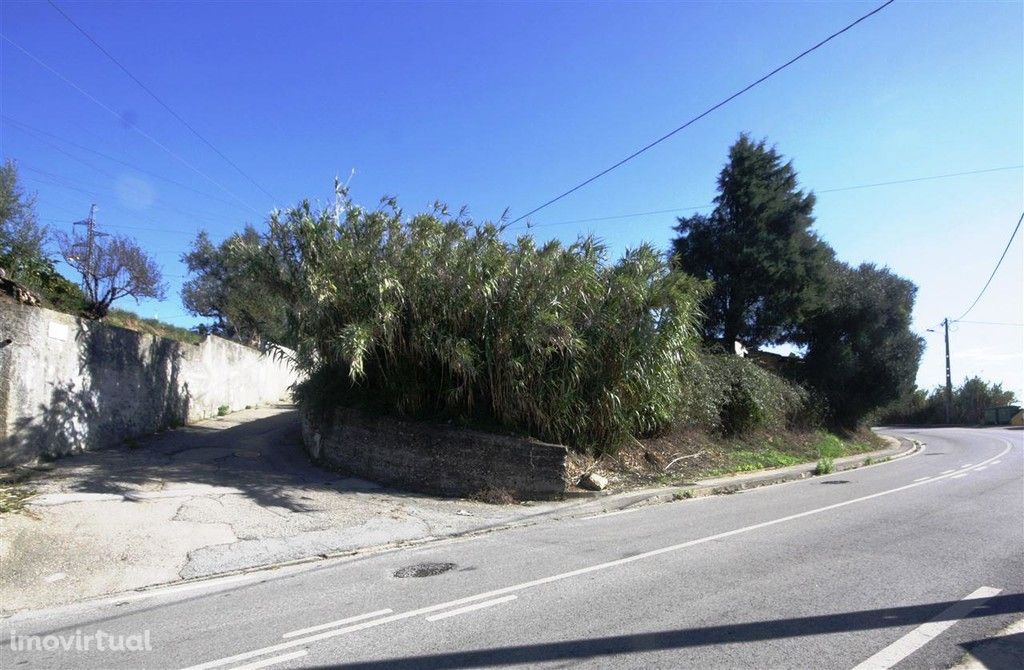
x=126, y=384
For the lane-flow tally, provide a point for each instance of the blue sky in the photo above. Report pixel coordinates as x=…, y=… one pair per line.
x=495, y=105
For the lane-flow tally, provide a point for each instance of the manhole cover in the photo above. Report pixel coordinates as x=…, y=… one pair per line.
x=837, y=481
x=424, y=570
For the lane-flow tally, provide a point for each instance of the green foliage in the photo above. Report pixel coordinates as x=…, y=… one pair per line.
x=22, y=247
x=970, y=400
x=757, y=248
x=223, y=410
x=125, y=319
x=438, y=317
x=825, y=466
x=861, y=353
x=225, y=287
x=732, y=395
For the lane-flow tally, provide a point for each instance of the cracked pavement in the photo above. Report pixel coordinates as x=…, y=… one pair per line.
x=218, y=496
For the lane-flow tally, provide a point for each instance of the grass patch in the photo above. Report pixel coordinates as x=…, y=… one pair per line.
x=825, y=466
x=131, y=321
x=762, y=459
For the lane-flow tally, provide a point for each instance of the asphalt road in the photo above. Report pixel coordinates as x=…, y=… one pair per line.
x=870, y=565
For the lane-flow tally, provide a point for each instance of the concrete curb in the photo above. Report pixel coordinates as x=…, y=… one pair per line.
x=593, y=505
x=900, y=448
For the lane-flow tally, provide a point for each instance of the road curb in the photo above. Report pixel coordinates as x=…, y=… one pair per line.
x=594, y=505
x=617, y=501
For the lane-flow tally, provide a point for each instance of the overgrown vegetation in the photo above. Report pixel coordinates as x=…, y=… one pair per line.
x=969, y=402
x=776, y=282
x=131, y=321
x=435, y=316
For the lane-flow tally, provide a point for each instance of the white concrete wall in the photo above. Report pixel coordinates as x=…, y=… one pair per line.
x=68, y=384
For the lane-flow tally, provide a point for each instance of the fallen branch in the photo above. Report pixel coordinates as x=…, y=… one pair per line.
x=676, y=460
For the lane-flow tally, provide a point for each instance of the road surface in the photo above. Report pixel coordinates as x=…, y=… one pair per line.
x=903, y=564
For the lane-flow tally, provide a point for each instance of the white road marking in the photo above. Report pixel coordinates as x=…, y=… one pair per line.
x=996, y=462
x=962, y=474
x=339, y=622
x=271, y=661
x=921, y=479
x=470, y=608
x=966, y=465
x=559, y=577
x=926, y=632
x=980, y=468
x=946, y=472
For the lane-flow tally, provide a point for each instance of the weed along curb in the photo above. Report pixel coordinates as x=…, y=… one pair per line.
x=900, y=448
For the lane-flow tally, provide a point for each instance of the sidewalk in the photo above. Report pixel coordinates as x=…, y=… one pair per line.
x=236, y=493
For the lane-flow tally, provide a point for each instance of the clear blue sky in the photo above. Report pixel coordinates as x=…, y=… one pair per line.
x=505, y=105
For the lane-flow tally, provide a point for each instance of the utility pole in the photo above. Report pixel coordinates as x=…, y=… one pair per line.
x=949, y=381
x=88, y=265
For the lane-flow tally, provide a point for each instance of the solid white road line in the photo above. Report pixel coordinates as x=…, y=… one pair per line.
x=962, y=474
x=946, y=472
x=470, y=608
x=921, y=479
x=980, y=468
x=559, y=577
x=339, y=622
x=966, y=465
x=926, y=632
x=272, y=661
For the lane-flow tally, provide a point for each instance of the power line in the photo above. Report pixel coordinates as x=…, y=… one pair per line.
x=828, y=190
x=162, y=103
x=133, y=127
x=28, y=129
x=993, y=323
x=994, y=270
x=705, y=112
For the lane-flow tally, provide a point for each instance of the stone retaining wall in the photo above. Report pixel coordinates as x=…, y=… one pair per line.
x=435, y=458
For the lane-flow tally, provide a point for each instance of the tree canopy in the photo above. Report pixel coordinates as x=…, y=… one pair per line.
x=757, y=247
x=861, y=353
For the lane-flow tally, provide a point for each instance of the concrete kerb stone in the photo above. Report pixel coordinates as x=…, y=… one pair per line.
x=593, y=505
x=615, y=501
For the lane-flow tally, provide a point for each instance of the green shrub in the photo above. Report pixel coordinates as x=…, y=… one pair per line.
x=223, y=410
x=437, y=317
x=732, y=395
x=825, y=466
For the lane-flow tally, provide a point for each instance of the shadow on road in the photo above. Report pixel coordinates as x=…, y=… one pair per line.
x=754, y=631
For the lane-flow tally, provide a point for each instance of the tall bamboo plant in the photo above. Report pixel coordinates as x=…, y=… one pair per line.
x=436, y=316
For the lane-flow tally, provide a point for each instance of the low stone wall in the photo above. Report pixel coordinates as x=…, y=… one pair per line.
x=433, y=458
x=69, y=384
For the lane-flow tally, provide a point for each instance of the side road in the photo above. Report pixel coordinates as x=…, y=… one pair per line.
x=236, y=493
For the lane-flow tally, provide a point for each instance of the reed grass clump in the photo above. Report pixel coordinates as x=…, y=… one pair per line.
x=437, y=317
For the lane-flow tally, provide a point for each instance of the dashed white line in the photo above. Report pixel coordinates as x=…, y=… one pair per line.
x=470, y=608
x=339, y=622
x=267, y=662
x=216, y=663
x=980, y=468
x=926, y=632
